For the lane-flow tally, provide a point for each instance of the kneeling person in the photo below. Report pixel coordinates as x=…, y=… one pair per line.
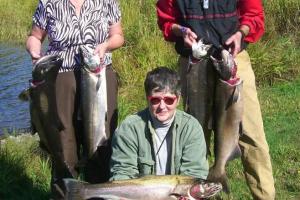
x=160, y=139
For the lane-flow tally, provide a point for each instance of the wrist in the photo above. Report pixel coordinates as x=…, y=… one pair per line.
x=243, y=34
x=183, y=30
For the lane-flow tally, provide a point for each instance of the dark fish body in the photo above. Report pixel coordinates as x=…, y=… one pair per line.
x=43, y=108
x=167, y=187
x=200, y=81
x=228, y=118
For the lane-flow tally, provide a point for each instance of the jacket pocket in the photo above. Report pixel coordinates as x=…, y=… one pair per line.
x=145, y=166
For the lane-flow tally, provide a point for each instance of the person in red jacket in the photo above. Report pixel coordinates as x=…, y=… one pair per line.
x=221, y=25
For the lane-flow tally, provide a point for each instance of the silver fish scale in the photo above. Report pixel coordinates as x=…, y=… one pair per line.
x=94, y=109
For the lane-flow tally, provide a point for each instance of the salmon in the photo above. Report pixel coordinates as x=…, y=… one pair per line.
x=167, y=187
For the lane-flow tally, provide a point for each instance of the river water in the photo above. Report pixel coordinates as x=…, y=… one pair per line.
x=15, y=72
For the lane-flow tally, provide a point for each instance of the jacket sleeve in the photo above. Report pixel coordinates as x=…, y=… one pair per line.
x=167, y=13
x=251, y=13
x=193, y=161
x=123, y=163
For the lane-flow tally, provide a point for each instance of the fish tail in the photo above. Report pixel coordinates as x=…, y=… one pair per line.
x=219, y=176
x=74, y=189
x=24, y=95
x=236, y=153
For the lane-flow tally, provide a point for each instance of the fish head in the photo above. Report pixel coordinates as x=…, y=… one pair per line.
x=199, y=49
x=46, y=67
x=91, y=61
x=225, y=65
x=204, y=190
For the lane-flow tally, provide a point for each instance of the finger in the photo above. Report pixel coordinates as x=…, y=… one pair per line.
x=188, y=42
x=236, y=51
x=194, y=35
x=97, y=50
x=229, y=40
x=35, y=55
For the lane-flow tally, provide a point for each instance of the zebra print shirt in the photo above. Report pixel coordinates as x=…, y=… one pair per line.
x=66, y=32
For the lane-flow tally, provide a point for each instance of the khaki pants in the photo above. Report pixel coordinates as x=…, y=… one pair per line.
x=68, y=101
x=255, y=151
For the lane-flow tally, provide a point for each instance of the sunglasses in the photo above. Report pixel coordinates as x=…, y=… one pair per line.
x=154, y=100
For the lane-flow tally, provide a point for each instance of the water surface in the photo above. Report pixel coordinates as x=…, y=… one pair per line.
x=15, y=72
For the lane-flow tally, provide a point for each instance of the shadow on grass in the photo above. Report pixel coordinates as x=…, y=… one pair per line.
x=14, y=182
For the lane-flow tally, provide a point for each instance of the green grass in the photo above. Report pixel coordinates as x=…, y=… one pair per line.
x=281, y=107
x=274, y=58
x=25, y=169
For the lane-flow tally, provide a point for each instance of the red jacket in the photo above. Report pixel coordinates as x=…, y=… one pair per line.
x=250, y=12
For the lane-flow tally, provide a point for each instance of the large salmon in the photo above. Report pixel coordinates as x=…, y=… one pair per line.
x=228, y=111
x=43, y=108
x=93, y=103
x=168, y=187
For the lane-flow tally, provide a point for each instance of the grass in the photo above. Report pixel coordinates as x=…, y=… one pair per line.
x=275, y=57
x=24, y=169
x=280, y=106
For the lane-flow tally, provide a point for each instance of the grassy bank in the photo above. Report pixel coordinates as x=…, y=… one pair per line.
x=274, y=57
x=25, y=172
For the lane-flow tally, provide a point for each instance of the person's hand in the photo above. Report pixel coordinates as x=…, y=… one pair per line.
x=189, y=37
x=234, y=43
x=100, y=50
x=35, y=56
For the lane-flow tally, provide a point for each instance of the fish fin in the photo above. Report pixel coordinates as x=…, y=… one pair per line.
x=111, y=197
x=216, y=176
x=74, y=189
x=58, y=190
x=81, y=163
x=236, y=153
x=60, y=125
x=98, y=82
x=204, y=190
x=241, y=130
x=208, y=136
x=33, y=128
x=24, y=95
x=235, y=96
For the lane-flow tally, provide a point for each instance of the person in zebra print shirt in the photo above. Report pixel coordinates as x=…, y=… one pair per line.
x=69, y=24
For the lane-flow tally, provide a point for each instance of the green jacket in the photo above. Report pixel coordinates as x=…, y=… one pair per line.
x=133, y=154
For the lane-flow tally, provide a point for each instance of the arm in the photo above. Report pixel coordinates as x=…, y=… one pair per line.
x=115, y=33
x=123, y=163
x=194, y=162
x=251, y=18
x=167, y=14
x=251, y=15
x=166, y=17
x=34, y=42
x=114, y=41
x=38, y=32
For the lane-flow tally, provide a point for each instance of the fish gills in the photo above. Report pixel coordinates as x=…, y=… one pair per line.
x=228, y=118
